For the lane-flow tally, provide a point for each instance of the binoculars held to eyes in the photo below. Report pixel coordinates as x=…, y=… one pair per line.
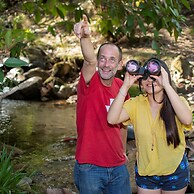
x=151, y=67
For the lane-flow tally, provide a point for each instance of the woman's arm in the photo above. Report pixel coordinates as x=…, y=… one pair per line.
x=182, y=111
x=117, y=114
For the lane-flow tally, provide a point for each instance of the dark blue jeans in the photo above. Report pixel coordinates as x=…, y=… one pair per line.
x=92, y=179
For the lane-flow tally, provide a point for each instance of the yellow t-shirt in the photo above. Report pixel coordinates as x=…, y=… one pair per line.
x=154, y=156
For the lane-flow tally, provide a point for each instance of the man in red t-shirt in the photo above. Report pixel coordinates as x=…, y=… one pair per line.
x=100, y=153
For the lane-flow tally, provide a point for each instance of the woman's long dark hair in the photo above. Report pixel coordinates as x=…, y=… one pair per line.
x=167, y=113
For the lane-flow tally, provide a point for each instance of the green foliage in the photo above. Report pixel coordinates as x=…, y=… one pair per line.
x=14, y=62
x=7, y=83
x=10, y=62
x=68, y=12
x=14, y=37
x=9, y=179
x=1, y=75
x=13, y=40
x=132, y=16
x=115, y=19
x=134, y=91
x=118, y=18
x=2, y=5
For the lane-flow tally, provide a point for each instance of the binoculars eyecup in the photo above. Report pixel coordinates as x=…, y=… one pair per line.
x=151, y=67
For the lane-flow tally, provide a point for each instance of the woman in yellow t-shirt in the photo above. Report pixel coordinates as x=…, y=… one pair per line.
x=159, y=118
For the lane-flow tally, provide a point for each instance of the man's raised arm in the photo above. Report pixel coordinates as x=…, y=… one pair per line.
x=82, y=31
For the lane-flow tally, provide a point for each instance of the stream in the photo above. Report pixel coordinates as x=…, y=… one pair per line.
x=31, y=125
x=46, y=133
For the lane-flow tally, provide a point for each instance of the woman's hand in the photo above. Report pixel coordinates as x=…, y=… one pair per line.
x=129, y=80
x=163, y=79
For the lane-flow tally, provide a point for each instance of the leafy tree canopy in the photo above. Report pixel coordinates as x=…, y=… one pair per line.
x=114, y=18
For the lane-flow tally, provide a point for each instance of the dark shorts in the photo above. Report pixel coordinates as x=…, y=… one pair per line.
x=175, y=181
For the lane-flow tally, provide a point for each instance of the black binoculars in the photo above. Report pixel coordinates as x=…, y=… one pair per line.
x=151, y=67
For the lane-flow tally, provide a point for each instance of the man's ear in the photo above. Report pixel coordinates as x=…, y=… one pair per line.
x=120, y=65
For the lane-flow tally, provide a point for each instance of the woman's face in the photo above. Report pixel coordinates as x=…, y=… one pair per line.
x=147, y=85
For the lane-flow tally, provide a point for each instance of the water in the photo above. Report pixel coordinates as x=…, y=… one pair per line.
x=31, y=125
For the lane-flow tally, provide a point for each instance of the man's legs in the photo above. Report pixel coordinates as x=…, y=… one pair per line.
x=91, y=179
x=118, y=181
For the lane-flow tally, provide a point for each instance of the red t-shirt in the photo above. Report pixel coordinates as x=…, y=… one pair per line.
x=98, y=142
